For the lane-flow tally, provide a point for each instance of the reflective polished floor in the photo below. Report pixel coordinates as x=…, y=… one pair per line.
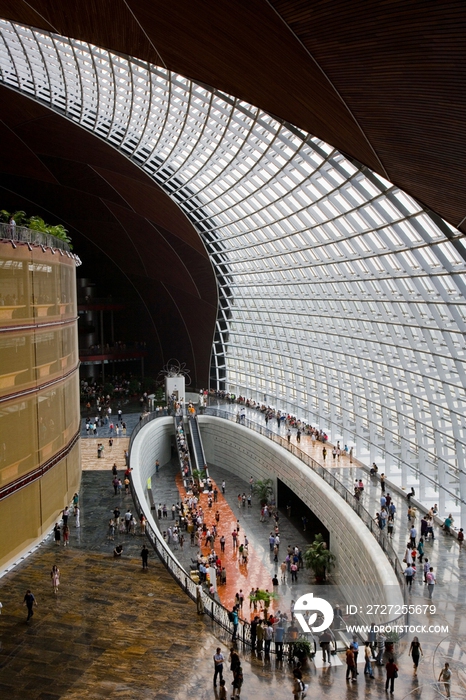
x=115, y=631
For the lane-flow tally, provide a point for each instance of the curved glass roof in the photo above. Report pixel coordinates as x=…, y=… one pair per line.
x=341, y=299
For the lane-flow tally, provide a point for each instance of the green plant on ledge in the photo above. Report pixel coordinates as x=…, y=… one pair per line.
x=37, y=223
x=318, y=558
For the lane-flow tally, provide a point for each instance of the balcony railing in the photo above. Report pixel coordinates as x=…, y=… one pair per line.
x=21, y=234
x=340, y=489
x=215, y=610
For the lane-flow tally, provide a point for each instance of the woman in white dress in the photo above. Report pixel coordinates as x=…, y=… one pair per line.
x=55, y=576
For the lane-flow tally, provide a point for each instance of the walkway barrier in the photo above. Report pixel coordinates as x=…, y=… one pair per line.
x=341, y=490
x=215, y=610
x=21, y=234
x=212, y=608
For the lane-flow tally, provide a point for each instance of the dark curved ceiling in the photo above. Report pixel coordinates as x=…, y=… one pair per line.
x=135, y=242
x=381, y=81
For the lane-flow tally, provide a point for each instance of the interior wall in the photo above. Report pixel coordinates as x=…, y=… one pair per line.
x=362, y=571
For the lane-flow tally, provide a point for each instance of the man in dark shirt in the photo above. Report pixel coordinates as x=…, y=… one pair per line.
x=29, y=602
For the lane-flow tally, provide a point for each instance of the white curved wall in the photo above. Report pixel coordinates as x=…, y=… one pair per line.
x=363, y=572
x=151, y=443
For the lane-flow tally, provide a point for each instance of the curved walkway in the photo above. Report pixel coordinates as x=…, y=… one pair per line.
x=116, y=632
x=443, y=552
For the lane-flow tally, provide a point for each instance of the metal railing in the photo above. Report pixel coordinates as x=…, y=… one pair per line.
x=181, y=461
x=215, y=610
x=21, y=234
x=329, y=478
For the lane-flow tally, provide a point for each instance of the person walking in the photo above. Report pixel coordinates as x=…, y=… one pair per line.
x=260, y=636
x=415, y=651
x=234, y=660
x=392, y=673
x=431, y=581
x=268, y=634
x=199, y=600
x=350, y=665
x=368, y=660
x=445, y=677
x=218, y=665
x=355, y=647
x=55, y=576
x=409, y=575
x=235, y=620
x=77, y=514
x=237, y=681
x=66, y=535
x=56, y=534
x=254, y=624
x=278, y=636
x=29, y=602
x=380, y=648
x=144, y=556
x=325, y=640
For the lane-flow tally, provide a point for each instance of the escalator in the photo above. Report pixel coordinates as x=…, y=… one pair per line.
x=198, y=450
x=182, y=447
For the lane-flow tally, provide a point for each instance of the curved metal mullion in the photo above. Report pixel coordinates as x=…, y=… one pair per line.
x=167, y=112
x=148, y=111
x=112, y=120
x=198, y=175
x=128, y=121
x=229, y=166
x=180, y=134
x=8, y=50
x=79, y=119
x=193, y=149
x=13, y=26
x=54, y=39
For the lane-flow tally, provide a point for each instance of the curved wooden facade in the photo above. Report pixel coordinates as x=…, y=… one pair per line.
x=382, y=82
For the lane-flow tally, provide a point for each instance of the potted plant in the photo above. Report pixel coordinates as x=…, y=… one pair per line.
x=263, y=489
x=265, y=597
x=302, y=649
x=391, y=640
x=318, y=558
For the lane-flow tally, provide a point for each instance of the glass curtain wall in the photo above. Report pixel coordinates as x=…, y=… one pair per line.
x=343, y=301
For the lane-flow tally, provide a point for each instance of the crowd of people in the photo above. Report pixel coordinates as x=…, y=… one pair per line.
x=283, y=419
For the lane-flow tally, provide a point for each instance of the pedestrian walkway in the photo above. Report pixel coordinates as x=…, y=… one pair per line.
x=444, y=552
x=116, y=631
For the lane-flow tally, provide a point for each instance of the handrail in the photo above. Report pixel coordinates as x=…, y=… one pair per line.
x=21, y=234
x=214, y=609
x=339, y=488
x=177, y=421
x=195, y=420
x=202, y=465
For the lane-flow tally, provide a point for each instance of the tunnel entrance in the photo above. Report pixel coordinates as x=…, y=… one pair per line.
x=301, y=514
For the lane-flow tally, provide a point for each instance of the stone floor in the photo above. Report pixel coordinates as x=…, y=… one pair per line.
x=114, y=631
